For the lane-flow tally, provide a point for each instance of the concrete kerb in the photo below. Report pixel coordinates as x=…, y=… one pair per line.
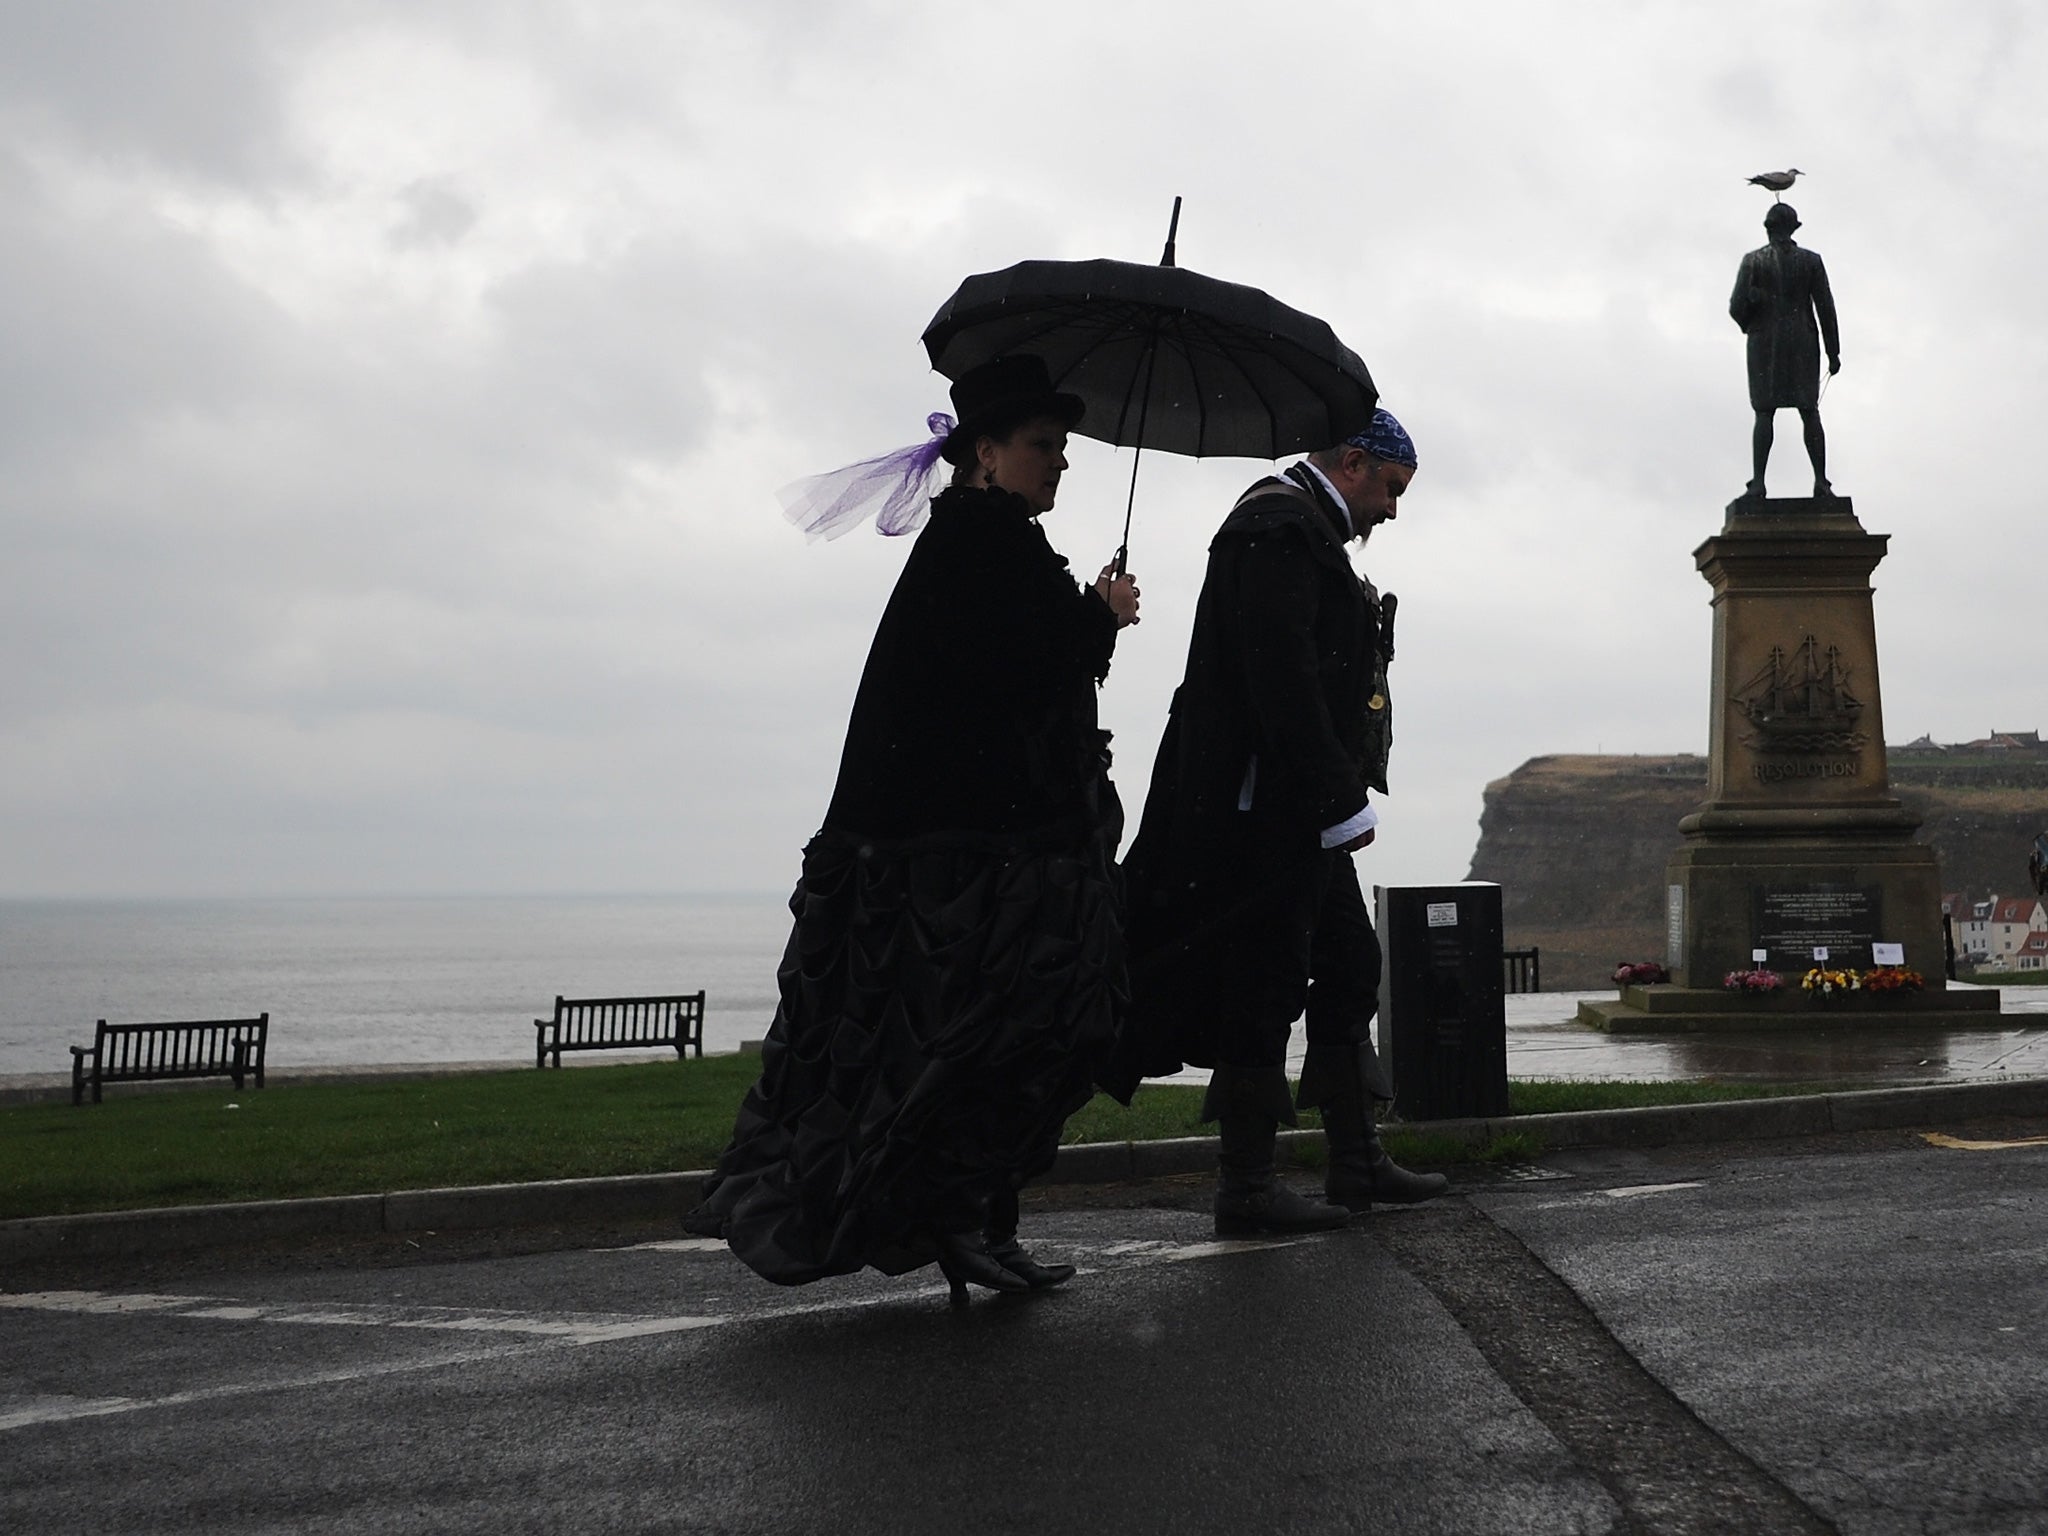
x=126, y=1234
x=651, y=1196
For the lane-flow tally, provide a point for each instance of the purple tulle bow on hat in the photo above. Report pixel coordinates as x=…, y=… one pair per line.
x=827, y=505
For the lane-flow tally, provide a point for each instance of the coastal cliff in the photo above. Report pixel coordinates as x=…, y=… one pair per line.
x=1578, y=844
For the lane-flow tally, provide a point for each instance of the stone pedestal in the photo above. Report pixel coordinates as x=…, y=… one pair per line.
x=1800, y=843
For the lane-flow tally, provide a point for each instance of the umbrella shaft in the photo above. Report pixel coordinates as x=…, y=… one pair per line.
x=1123, y=549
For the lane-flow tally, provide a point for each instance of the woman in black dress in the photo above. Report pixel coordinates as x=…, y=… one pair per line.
x=956, y=974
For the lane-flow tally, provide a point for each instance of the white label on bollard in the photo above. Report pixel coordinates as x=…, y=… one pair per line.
x=1887, y=954
x=1759, y=956
x=1442, y=914
x=1820, y=951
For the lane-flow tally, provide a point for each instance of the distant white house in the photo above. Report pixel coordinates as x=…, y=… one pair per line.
x=1993, y=934
x=2013, y=918
x=2032, y=955
x=1971, y=921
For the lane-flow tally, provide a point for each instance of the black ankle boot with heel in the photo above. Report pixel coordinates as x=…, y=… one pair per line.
x=1003, y=1247
x=964, y=1259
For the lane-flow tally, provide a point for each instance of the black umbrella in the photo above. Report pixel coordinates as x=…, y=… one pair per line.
x=1164, y=358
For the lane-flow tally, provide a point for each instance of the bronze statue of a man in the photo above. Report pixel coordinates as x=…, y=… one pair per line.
x=1779, y=290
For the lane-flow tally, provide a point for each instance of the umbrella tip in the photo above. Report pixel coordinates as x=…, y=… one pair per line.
x=1172, y=229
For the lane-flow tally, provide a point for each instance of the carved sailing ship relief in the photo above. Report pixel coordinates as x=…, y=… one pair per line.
x=1800, y=705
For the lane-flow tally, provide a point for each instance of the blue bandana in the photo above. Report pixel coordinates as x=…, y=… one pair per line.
x=1385, y=439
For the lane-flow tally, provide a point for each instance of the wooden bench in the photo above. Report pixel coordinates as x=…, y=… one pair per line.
x=136, y=1053
x=616, y=1023
x=1520, y=970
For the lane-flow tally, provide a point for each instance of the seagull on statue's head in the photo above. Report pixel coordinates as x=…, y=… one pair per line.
x=1775, y=182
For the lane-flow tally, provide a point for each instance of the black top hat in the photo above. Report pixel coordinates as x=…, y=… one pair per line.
x=1000, y=394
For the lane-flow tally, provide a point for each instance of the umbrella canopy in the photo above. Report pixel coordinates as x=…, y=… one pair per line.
x=1165, y=358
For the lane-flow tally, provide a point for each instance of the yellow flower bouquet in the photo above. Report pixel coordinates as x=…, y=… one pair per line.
x=1824, y=983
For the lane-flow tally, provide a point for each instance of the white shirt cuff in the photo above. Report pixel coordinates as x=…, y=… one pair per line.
x=1345, y=831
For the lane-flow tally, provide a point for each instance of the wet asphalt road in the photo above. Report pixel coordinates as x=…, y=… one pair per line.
x=1843, y=1334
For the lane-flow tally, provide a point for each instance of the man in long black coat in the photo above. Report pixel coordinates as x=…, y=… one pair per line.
x=1245, y=910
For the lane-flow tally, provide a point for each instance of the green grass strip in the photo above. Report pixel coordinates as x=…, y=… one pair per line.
x=192, y=1147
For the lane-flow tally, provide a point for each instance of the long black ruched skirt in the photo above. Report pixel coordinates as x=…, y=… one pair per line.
x=945, y=1005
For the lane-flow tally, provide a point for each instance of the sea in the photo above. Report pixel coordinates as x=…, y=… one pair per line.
x=377, y=981
x=368, y=980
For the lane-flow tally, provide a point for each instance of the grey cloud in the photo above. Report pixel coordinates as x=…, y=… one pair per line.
x=435, y=213
x=191, y=87
x=386, y=592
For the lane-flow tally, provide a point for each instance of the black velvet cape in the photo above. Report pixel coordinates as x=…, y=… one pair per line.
x=1284, y=663
x=955, y=978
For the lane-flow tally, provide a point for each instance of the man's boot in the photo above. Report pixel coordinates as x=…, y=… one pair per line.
x=1251, y=1200
x=1360, y=1170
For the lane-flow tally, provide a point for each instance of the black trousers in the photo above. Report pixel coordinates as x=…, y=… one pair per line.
x=1323, y=966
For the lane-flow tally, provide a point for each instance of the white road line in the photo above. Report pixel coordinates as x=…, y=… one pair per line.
x=1146, y=1250
x=25, y=1413
x=671, y=1245
x=573, y=1328
x=98, y=1301
x=1632, y=1191
x=1219, y=1248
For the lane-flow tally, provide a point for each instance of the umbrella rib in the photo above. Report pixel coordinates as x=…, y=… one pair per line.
x=1201, y=398
x=1229, y=360
x=1285, y=362
x=1123, y=414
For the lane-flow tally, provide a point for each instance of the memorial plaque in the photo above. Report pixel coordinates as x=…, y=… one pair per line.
x=1792, y=921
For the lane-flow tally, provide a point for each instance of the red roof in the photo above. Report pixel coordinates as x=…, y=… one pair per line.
x=2035, y=943
x=2017, y=909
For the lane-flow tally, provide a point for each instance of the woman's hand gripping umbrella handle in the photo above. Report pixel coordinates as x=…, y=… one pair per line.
x=1120, y=590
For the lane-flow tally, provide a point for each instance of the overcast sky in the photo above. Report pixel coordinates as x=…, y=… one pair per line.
x=393, y=396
